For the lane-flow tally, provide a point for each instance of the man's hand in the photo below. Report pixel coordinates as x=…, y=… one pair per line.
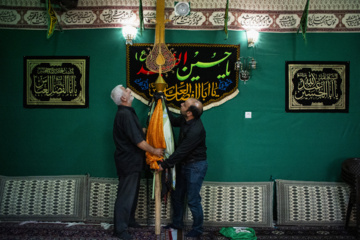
x=159, y=152
x=160, y=168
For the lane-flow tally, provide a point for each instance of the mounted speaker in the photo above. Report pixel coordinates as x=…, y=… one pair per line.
x=182, y=8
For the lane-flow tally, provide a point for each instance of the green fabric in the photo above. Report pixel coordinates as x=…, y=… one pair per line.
x=239, y=233
x=168, y=133
x=303, y=21
x=226, y=19
x=141, y=17
x=169, y=140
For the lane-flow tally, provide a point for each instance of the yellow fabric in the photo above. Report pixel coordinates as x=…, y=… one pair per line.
x=155, y=135
x=52, y=19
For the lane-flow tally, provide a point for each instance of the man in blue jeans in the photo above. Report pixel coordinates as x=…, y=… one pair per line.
x=190, y=157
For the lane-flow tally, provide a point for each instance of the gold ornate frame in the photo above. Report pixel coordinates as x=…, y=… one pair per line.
x=317, y=86
x=56, y=82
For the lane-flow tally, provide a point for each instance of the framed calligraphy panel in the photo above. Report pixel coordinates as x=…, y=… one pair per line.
x=202, y=71
x=56, y=82
x=317, y=86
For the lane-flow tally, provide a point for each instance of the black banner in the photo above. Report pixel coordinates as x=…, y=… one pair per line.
x=317, y=86
x=56, y=82
x=202, y=71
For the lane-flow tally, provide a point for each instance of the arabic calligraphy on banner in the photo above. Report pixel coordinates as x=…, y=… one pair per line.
x=317, y=86
x=269, y=16
x=202, y=71
x=56, y=82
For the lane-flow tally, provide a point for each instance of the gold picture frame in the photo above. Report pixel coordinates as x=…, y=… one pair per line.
x=317, y=86
x=56, y=82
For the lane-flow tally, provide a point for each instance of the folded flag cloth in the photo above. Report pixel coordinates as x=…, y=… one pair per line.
x=239, y=233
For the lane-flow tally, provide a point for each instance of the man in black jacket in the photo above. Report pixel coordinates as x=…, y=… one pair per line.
x=192, y=165
x=129, y=139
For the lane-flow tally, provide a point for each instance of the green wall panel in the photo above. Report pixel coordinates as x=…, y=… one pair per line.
x=298, y=146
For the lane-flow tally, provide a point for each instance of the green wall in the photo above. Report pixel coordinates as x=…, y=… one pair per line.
x=294, y=146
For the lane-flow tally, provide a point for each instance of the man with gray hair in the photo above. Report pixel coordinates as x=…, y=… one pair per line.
x=129, y=139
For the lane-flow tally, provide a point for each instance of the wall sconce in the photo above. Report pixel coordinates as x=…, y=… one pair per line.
x=129, y=33
x=244, y=65
x=252, y=37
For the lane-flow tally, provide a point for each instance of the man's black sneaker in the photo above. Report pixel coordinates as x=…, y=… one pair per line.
x=193, y=234
x=134, y=225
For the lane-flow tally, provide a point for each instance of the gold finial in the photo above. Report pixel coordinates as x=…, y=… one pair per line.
x=160, y=84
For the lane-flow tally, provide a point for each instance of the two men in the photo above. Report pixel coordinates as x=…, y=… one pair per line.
x=190, y=156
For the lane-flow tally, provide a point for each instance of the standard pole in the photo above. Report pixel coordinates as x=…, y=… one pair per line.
x=157, y=203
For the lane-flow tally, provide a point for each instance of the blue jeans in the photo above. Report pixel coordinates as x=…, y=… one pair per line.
x=189, y=180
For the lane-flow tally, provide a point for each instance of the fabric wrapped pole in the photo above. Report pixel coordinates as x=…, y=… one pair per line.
x=159, y=135
x=155, y=135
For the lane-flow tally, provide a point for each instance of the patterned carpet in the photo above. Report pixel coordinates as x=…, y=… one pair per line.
x=82, y=231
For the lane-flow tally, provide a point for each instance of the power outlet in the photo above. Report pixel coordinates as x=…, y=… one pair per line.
x=248, y=115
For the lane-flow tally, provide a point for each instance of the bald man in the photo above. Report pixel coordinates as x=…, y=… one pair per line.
x=190, y=158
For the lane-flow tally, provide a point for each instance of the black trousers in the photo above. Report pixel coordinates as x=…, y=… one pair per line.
x=126, y=201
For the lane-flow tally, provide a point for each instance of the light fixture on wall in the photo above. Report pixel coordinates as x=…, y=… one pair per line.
x=246, y=64
x=182, y=8
x=129, y=32
x=252, y=37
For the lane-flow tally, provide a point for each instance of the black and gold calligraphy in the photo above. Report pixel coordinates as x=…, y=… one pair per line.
x=316, y=86
x=50, y=82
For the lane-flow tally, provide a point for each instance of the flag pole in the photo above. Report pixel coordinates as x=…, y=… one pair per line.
x=162, y=56
x=160, y=86
x=157, y=203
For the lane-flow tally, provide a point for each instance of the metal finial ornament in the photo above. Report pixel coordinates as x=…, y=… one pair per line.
x=160, y=84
